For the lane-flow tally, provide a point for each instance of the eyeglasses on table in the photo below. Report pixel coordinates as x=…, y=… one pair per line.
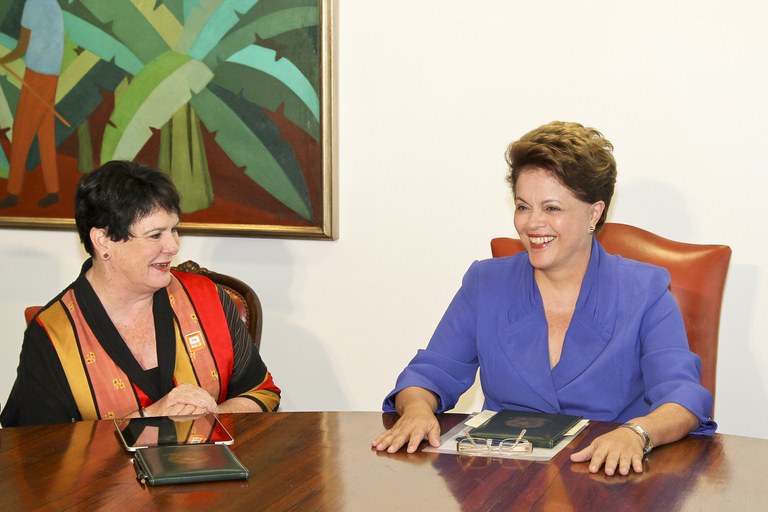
x=475, y=446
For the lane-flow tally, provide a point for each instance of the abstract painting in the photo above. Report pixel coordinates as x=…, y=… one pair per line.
x=233, y=99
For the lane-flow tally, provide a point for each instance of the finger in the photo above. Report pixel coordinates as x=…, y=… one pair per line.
x=188, y=410
x=434, y=435
x=625, y=462
x=611, y=463
x=192, y=395
x=206, y=401
x=391, y=441
x=637, y=463
x=382, y=442
x=583, y=455
x=173, y=410
x=397, y=440
x=204, y=398
x=379, y=440
x=410, y=437
x=185, y=409
x=181, y=410
x=598, y=457
x=414, y=442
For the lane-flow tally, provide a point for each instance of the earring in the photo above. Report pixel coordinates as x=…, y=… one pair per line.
x=591, y=230
x=106, y=256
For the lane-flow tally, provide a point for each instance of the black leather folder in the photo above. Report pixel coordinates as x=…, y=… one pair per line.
x=161, y=465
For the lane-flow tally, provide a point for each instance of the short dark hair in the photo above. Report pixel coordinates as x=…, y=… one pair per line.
x=119, y=193
x=579, y=157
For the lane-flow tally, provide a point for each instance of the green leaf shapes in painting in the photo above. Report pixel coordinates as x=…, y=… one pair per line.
x=283, y=70
x=164, y=86
x=125, y=22
x=267, y=92
x=101, y=44
x=265, y=27
x=276, y=170
x=208, y=23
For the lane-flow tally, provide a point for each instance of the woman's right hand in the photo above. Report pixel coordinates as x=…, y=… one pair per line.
x=417, y=422
x=183, y=400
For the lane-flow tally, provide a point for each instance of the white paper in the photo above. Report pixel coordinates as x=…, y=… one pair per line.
x=448, y=441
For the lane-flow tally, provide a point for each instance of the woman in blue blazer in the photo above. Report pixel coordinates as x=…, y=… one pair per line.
x=564, y=327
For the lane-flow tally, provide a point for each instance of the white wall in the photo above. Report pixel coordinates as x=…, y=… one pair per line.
x=430, y=94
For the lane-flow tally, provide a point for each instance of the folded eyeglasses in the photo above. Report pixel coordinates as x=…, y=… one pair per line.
x=475, y=446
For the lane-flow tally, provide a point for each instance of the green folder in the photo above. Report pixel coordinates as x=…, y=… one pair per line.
x=543, y=430
x=161, y=465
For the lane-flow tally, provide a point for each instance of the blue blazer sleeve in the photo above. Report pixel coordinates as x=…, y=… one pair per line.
x=671, y=372
x=449, y=364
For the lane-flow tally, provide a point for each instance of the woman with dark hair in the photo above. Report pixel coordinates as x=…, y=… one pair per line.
x=564, y=327
x=130, y=337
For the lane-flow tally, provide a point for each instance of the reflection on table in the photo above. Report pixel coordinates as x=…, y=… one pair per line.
x=323, y=461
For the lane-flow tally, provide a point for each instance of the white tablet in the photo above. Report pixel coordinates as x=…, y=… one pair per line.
x=136, y=433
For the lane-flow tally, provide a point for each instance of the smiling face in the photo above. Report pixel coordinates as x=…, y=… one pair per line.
x=552, y=223
x=142, y=264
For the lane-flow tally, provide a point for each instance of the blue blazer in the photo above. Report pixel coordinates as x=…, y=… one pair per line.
x=625, y=352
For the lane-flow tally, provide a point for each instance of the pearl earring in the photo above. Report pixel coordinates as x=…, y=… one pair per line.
x=591, y=230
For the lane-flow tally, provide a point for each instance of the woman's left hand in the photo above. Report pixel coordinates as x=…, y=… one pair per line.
x=620, y=448
x=183, y=400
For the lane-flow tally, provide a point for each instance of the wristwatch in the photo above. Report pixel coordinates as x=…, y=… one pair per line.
x=648, y=445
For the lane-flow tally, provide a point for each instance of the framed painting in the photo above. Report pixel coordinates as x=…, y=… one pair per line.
x=233, y=99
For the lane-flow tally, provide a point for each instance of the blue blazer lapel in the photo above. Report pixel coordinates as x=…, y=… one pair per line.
x=583, y=344
x=525, y=346
x=593, y=321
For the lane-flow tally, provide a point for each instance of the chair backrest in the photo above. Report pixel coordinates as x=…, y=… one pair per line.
x=245, y=299
x=30, y=312
x=697, y=280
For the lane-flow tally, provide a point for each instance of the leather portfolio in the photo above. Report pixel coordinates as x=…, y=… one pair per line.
x=543, y=430
x=161, y=465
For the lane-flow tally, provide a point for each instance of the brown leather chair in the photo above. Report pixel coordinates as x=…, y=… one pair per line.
x=30, y=312
x=697, y=279
x=245, y=299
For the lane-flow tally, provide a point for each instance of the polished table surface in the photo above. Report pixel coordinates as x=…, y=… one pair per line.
x=323, y=461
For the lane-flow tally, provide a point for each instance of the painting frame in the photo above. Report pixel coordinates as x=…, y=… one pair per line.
x=324, y=225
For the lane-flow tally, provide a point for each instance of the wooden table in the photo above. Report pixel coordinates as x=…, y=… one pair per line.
x=323, y=461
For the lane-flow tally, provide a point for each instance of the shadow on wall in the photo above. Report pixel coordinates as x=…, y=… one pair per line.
x=472, y=399
x=295, y=355
x=30, y=279
x=658, y=204
x=743, y=401
x=654, y=203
